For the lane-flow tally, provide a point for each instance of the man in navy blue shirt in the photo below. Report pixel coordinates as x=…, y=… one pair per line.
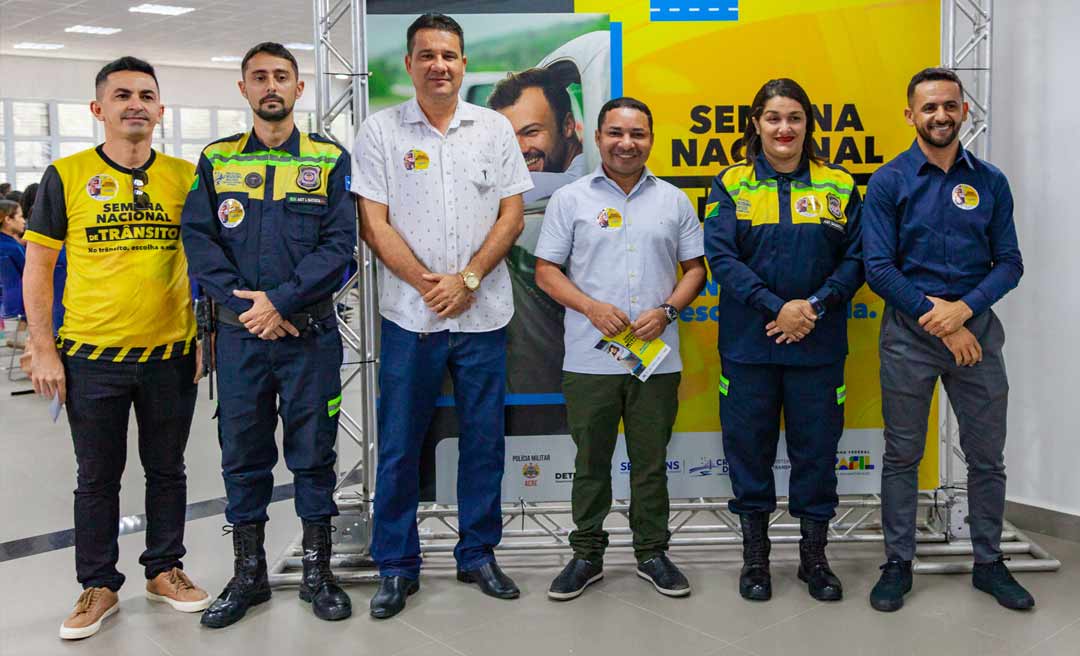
x=940, y=247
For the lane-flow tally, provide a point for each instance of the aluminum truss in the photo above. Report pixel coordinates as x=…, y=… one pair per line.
x=702, y=522
x=967, y=48
x=341, y=86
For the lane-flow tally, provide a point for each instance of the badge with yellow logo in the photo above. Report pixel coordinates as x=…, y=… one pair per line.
x=416, y=160
x=609, y=218
x=101, y=187
x=230, y=212
x=808, y=206
x=965, y=197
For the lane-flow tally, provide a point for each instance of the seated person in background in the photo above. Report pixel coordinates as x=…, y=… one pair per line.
x=12, y=259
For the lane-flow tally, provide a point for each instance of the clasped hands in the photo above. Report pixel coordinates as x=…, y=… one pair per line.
x=446, y=294
x=611, y=321
x=793, y=323
x=262, y=319
x=946, y=322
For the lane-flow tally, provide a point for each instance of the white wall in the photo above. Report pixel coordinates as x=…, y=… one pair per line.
x=1034, y=110
x=43, y=78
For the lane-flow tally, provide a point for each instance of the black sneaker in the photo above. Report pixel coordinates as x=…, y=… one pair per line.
x=575, y=577
x=665, y=577
x=888, y=594
x=996, y=579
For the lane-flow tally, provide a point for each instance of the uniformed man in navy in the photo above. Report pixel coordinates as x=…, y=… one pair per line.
x=269, y=228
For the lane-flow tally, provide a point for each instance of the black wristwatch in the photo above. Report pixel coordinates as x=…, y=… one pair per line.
x=819, y=307
x=670, y=311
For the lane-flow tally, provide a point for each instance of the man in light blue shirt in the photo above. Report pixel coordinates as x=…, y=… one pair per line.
x=622, y=234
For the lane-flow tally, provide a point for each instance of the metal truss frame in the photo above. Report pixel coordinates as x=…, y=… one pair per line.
x=701, y=522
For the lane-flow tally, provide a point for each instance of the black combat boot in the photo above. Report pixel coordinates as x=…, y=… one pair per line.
x=249, y=585
x=813, y=565
x=319, y=586
x=755, y=582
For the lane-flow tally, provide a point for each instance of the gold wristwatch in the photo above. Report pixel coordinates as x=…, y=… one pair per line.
x=471, y=280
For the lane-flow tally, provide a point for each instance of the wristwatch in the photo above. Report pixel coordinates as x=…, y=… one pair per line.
x=670, y=312
x=471, y=280
x=819, y=307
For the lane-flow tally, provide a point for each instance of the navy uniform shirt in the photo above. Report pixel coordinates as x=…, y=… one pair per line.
x=278, y=220
x=774, y=237
x=932, y=233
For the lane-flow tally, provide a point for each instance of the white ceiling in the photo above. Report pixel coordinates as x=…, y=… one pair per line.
x=216, y=27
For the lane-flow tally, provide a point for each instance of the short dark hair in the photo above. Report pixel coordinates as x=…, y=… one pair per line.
x=14, y=195
x=27, y=200
x=7, y=208
x=508, y=91
x=271, y=48
x=932, y=75
x=624, y=101
x=783, y=87
x=5, y=187
x=432, y=21
x=124, y=64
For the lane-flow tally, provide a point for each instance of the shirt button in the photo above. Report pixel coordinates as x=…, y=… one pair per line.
x=633, y=299
x=631, y=248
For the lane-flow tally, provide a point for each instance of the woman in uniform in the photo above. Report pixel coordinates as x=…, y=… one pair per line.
x=782, y=238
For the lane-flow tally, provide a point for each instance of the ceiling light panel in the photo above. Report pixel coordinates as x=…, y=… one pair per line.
x=93, y=29
x=163, y=10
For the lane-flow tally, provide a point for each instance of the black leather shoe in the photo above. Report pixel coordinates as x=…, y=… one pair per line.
x=996, y=579
x=390, y=599
x=249, y=585
x=814, y=567
x=755, y=582
x=319, y=585
x=575, y=577
x=888, y=594
x=491, y=580
x=664, y=575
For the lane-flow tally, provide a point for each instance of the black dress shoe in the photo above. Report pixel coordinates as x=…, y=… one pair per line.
x=995, y=579
x=390, y=599
x=575, y=577
x=664, y=575
x=249, y=585
x=491, y=580
x=888, y=593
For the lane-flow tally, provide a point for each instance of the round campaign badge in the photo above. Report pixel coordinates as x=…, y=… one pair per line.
x=609, y=218
x=808, y=206
x=230, y=212
x=965, y=197
x=101, y=187
x=416, y=160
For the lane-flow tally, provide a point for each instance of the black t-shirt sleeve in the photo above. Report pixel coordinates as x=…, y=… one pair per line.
x=50, y=209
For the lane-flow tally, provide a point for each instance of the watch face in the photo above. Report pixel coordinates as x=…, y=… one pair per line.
x=472, y=281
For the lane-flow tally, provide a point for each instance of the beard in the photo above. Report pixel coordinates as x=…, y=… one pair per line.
x=274, y=116
x=938, y=142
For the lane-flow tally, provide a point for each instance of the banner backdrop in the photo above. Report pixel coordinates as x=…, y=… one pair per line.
x=697, y=64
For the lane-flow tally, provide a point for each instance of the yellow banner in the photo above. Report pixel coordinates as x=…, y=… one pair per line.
x=698, y=76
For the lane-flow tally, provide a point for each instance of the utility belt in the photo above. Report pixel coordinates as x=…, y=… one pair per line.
x=308, y=320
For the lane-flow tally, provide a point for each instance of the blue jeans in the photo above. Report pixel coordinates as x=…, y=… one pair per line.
x=412, y=366
x=100, y=395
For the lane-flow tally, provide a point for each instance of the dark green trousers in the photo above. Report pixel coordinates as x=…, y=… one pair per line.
x=594, y=406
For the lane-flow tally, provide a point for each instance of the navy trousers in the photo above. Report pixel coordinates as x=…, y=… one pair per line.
x=411, y=370
x=752, y=396
x=298, y=379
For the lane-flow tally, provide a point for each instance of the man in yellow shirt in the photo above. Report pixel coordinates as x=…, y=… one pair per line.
x=128, y=337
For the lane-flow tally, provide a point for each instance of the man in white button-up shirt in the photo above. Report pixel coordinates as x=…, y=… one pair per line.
x=440, y=184
x=622, y=233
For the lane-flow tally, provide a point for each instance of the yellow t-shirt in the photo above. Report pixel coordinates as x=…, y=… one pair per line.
x=127, y=297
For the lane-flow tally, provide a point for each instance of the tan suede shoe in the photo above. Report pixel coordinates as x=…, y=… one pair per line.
x=176, y=589
x=93, y=606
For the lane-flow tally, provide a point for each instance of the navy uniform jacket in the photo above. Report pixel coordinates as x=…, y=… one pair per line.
x=276, y=220
x=773, y=237
x=932, y=233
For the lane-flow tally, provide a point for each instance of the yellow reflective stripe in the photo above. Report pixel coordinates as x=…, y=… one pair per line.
x=123, y=352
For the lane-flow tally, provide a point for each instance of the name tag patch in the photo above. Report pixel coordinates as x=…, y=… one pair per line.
x=835, y=225
x=306, y=199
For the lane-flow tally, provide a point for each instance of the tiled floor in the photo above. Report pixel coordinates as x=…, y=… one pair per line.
x=620, y=616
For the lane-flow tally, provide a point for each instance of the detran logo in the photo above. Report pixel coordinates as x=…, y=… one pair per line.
x=854, y=463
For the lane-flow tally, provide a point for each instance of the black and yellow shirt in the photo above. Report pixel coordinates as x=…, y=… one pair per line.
x=127, y=297
x=774, y=237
